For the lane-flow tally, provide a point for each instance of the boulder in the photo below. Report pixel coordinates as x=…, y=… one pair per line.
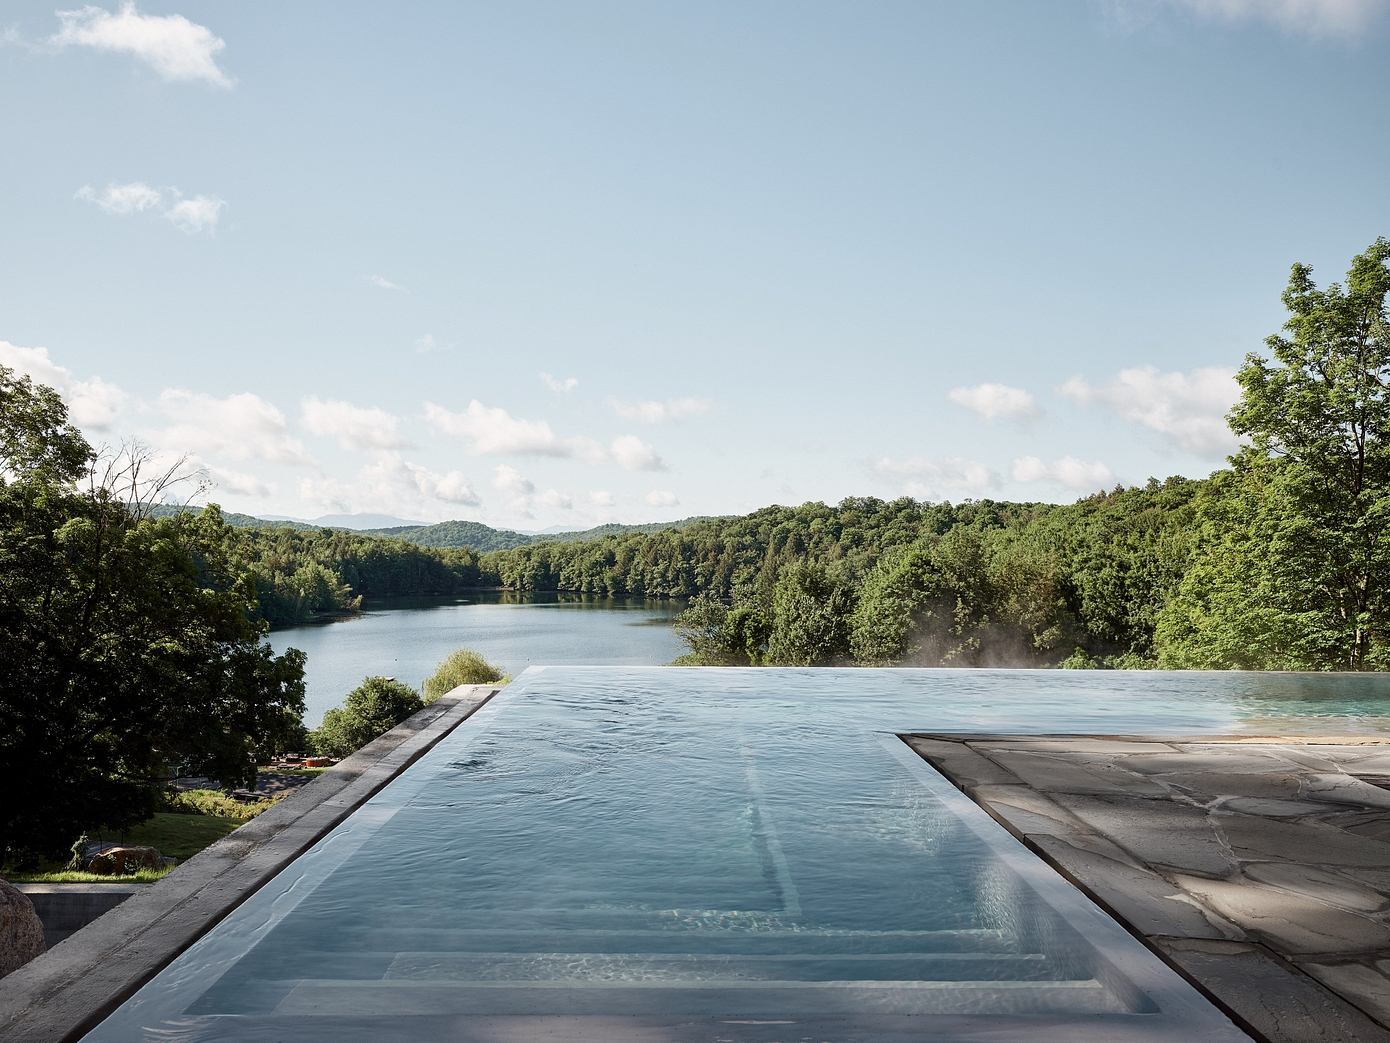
x=21, y=931
x=122, y=861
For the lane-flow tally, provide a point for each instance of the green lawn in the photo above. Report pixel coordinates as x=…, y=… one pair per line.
x=180, y=836
x=176, y=835
x=67, y=876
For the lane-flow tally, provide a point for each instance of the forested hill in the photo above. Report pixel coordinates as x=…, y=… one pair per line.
x=479, y=537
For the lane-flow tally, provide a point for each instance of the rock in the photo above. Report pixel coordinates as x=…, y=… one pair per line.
x=122, y=861
x=21, y=931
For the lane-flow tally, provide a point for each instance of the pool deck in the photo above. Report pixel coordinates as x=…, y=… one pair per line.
x=62, y=994
x=1259, y=867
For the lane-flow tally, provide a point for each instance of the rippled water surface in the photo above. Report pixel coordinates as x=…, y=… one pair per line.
x=663, y=854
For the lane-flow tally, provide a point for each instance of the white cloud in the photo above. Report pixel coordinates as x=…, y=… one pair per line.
x=510, y=480
x=392, y=485
x=558, y=385
x=633, y=454
x=601, y=498
x=92, y=404
x=659, y=412
x=198, y=214
x=1084, y=475
x=383, y=283
x=662, y=498
x=1188, y=408
x=355, y=427
x=238, y=483
x=1315, y=18
x=123, y=199
x=939, y=477
x=425, y=344
x=993, y=401
x=491, y=429
x=190, y=215
x=451, y=486
x=239, y=427
x=556, y=500
x=171, y=45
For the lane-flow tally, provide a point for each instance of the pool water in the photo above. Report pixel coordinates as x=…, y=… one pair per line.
x=667, y=854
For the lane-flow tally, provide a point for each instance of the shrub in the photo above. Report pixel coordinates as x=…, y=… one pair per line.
x=462, y=667
x=377, y=705
x=214, y=802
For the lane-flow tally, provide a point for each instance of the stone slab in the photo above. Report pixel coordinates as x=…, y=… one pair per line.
x=1143, y=899
x=64, y=993
x=1085, y=773
x=1366, y=984
x=1290, y=922
x=1027, y=811
x=1271, y=996
x=959, y=763
x=1158, y=832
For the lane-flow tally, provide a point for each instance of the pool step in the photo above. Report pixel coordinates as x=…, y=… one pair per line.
x=680, y=969
x=710, y=998
x=695, y=941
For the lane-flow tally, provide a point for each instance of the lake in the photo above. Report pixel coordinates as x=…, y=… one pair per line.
x=407, y=638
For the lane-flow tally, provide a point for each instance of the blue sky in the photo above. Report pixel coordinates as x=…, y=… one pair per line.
x=561, y=263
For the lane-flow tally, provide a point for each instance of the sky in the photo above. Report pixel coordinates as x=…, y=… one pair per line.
x=557, y=264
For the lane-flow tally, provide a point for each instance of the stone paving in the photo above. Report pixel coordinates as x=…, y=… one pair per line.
x=1261, y=868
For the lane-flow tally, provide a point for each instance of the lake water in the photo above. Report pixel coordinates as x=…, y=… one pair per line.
x=407, y=638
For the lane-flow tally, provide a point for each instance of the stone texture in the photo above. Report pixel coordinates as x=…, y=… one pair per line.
x=959, y=763
x=1345, y=789
x=1281, y=1004
x=1292, y=923
x=1270, y=807
x=1322, y=884
x=1260, y=867
x=1160, y=832
x=1089, y=773
x=122, y=861
x=1266, y=840
x=1365, y=984
x=1029, y=812
x=1143, y=899
x=21, y=931
x=1081, y=744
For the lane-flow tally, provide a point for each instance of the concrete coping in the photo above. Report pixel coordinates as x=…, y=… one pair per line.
x=63, y=994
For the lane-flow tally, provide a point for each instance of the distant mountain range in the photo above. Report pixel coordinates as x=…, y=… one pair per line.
x=348, y=521
x=464, y=534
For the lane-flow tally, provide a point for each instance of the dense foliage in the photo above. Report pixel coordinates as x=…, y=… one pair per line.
x=128, y=647
x=375, y=706
x=300, y=575
x=463, y=666
x=1292, y=561
x=1281, y=562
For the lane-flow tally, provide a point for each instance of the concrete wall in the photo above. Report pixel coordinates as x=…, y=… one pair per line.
x=65, y=908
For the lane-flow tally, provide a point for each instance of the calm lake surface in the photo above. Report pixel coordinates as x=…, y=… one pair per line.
x=407, y=638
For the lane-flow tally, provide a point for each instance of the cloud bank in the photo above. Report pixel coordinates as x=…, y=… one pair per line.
x=175, y=48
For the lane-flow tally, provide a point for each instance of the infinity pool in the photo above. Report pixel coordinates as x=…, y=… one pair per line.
x=666, y=854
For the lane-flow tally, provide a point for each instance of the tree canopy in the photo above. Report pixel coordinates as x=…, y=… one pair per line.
x=128, y=648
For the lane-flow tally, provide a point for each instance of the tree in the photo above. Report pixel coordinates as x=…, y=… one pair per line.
x=810, y=617
x=127, y=648
x=375, y=706
x=1292, y=565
